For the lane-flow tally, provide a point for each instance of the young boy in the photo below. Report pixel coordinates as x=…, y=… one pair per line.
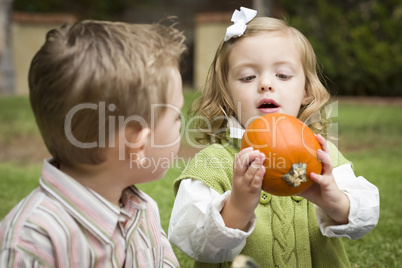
x=107, y=98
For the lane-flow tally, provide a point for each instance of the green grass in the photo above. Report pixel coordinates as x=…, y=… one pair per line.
x=369, y=136
x=16, y=119
x=16, y=182
x=383, y=246
x=369, y=127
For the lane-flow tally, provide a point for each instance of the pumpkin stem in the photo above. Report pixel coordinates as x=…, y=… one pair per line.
x=296, y=175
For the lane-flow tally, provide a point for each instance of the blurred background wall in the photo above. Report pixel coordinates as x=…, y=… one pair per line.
x=357, y=42
x=28, y=31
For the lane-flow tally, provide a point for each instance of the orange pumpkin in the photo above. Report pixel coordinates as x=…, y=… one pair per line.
x=290, y=148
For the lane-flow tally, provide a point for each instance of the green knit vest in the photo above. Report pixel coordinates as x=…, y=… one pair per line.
x=286, y=232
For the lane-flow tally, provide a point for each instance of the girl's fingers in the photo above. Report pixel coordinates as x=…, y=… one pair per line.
x=256, y=160
x=324, y=144
x=245, y=160
x=315, y=177
x=324, y=154
x=324, y=158
x=248, y=168
x=258, y=177
x=242, y=160
x=322, y=180
x=255, y=169
x=244, y=151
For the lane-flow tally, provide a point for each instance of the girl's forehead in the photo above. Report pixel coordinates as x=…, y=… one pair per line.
x=266, y=36
x=266, y=45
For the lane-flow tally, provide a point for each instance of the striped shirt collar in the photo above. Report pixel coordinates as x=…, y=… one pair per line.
x=85, y=205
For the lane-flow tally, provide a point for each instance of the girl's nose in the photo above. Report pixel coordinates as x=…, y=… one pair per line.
x=265, y=87
x=265, y=83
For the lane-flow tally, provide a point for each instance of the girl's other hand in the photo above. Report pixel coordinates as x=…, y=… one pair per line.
x=325, y=192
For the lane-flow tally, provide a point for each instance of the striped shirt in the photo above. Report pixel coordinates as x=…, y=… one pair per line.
x=64, y=224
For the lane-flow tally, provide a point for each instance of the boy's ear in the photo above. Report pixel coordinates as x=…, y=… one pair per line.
x=138, y=138
x=135, y=140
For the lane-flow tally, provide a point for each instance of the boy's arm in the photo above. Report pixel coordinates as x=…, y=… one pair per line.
x=197, y=228
x=169, y=258
x=10, y=258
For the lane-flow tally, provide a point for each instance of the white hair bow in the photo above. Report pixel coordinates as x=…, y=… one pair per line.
x=240, y=19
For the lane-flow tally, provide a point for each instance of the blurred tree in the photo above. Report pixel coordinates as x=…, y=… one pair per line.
x=96, y=9
x=6, y=66
x=262, y=7
x=357, y=42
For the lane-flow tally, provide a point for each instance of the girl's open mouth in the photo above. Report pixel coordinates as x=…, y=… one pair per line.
x=268, y=106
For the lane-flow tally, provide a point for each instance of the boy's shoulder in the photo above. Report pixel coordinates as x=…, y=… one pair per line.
x=25, y=207
x=27, y=221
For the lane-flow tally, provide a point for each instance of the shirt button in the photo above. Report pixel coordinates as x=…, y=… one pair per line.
x=297, y=198
x=265, y=198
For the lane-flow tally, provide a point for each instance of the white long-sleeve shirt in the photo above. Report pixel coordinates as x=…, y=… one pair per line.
x=197, y=228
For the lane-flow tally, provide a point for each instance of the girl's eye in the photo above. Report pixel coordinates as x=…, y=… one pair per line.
x=179, y=117
x=283, y=76
x=247, y=78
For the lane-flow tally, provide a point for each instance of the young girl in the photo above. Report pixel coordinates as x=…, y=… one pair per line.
x=220, y=210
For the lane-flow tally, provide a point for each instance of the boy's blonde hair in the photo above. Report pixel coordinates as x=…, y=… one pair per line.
x=119, y=67
x=215, y=104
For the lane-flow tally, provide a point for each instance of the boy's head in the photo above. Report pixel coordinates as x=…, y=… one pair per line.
x=89, y=79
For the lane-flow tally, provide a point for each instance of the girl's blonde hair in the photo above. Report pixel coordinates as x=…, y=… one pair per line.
x=215, y=104
x=124, y=67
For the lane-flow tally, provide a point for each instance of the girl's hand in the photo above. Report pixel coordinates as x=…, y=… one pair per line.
x=248, y=173
x=325, y=193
